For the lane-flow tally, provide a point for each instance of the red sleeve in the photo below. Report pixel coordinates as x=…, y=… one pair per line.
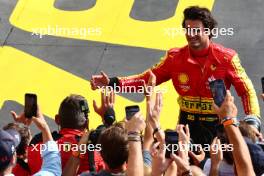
x=244, y=87
x=161, y=71
x=19, y=171
x=34, y=158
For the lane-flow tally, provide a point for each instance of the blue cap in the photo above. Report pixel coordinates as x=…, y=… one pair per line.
x=253, y=120
x=9, y=140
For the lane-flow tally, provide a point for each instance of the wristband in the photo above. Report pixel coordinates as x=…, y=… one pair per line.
x=133, y=133
x=231, y=121
x=225, y=119
x=134, y=138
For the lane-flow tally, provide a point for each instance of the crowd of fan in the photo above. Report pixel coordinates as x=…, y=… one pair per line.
x=134, y=147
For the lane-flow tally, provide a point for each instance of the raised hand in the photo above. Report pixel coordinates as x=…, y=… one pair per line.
x=99, y=81
x=107, y=101
x=153, y=111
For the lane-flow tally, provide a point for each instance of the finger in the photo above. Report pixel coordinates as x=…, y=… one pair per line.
x=212, y=147
x=112, y=97
x=228, y=95
x=94, y=77
x=103, y=74
x=92, y=85
x=220, y=151
x=180, y=151
x=14, y=115
x=146, y=91
x=39, y=113
x=162, y=149
x=201, y=151
x=214, y=140
x=155, y=145
x=180, y=128
x=152, y=79
x=35, y=120
x=177, y=159
x=156, y=101
x=107, y=100
x=232, y=99
x=102, y=97
x=159, y=97
x=153, y=153
x=95, y=106
x=138, y=114
x=187, y=130
x=218, y=142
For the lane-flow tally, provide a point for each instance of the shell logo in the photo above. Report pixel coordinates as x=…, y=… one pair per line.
x=183, y=78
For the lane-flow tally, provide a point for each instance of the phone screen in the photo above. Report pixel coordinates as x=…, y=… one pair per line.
x=218, y=91
x=262, y=82
x=30, y=105
x=171, y=139
x=131, y=110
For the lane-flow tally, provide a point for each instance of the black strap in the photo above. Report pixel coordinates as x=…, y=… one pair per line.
x=113, y=82
x=91, y=161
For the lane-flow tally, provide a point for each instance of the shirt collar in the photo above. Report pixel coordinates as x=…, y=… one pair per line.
x=210, y=55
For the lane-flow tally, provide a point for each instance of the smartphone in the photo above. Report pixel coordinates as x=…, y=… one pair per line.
x=262, y=82
x=30, y=105
x=218, y=91
x=171, y=140
x=131, y=110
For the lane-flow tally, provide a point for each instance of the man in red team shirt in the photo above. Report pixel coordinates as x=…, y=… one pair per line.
x=191, y=68
x=73, y=123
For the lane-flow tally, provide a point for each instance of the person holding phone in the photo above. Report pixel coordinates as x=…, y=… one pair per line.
x=191, y=68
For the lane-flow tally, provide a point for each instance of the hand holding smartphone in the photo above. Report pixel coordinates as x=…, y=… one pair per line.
x=131, y=110
x=31, y=106
x=171, y=140
x=218, y=91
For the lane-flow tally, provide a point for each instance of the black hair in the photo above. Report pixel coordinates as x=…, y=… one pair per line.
x=202, y=14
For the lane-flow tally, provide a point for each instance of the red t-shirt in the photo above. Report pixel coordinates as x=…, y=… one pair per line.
x=69, y=137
